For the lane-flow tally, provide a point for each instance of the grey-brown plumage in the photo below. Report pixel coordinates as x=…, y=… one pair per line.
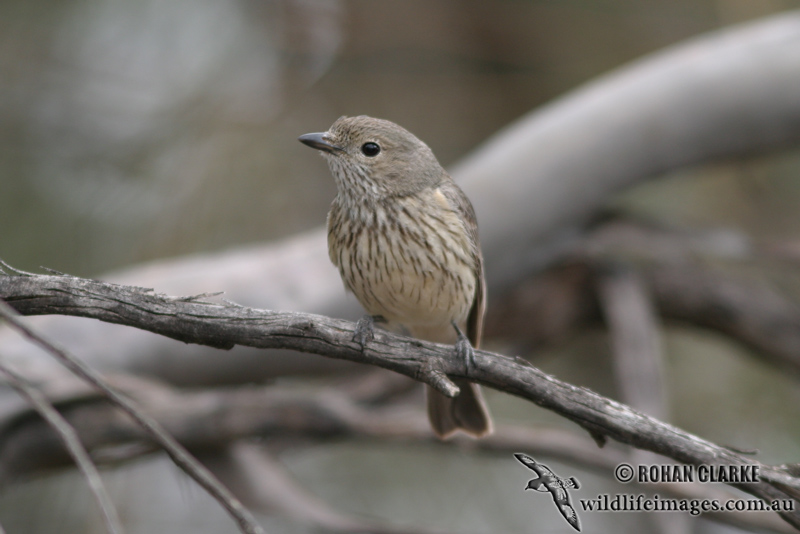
x=405, y=240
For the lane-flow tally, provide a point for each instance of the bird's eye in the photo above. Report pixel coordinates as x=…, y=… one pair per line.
x=370, y=149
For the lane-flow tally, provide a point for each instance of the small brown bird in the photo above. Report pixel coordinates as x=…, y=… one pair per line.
x=405, y=240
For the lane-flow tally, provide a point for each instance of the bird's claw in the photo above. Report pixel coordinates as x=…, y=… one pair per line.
x=365, y=329
x=464, y=349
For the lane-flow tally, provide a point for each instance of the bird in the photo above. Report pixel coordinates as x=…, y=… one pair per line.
x=546, y=480
x=404, y=237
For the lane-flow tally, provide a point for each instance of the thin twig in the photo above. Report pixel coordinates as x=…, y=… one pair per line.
x=73, y=444
x=14, y=270
x=175, y=450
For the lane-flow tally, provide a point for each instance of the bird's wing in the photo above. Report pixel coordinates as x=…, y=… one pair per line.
x=527, y=461
x=546, y=471
x=461, y=204
x=561, y=498
x=476, y=313
x=570, y=515
x=559, y=493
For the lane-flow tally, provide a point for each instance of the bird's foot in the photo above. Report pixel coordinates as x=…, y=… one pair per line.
x=464, y=349
x=365, y=329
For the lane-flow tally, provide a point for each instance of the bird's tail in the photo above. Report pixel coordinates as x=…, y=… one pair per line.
x=467, y=412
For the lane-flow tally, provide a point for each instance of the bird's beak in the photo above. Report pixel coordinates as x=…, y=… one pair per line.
x=318, y=141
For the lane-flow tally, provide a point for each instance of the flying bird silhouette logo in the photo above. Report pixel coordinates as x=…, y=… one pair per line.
x=548, y=481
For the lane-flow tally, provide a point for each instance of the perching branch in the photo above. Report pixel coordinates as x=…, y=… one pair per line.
x=224, y=326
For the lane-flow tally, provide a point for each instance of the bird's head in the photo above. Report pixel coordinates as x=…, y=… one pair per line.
x=375, y=158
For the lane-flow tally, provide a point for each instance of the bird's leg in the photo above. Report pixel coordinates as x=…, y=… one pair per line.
x=464, y=349
x=365, y=329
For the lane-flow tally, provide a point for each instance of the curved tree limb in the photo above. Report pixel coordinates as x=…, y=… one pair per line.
x=727, y=94
x=217, y=325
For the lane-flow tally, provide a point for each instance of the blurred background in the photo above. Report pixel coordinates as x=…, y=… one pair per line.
x=140, y=130
x=136, y=130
